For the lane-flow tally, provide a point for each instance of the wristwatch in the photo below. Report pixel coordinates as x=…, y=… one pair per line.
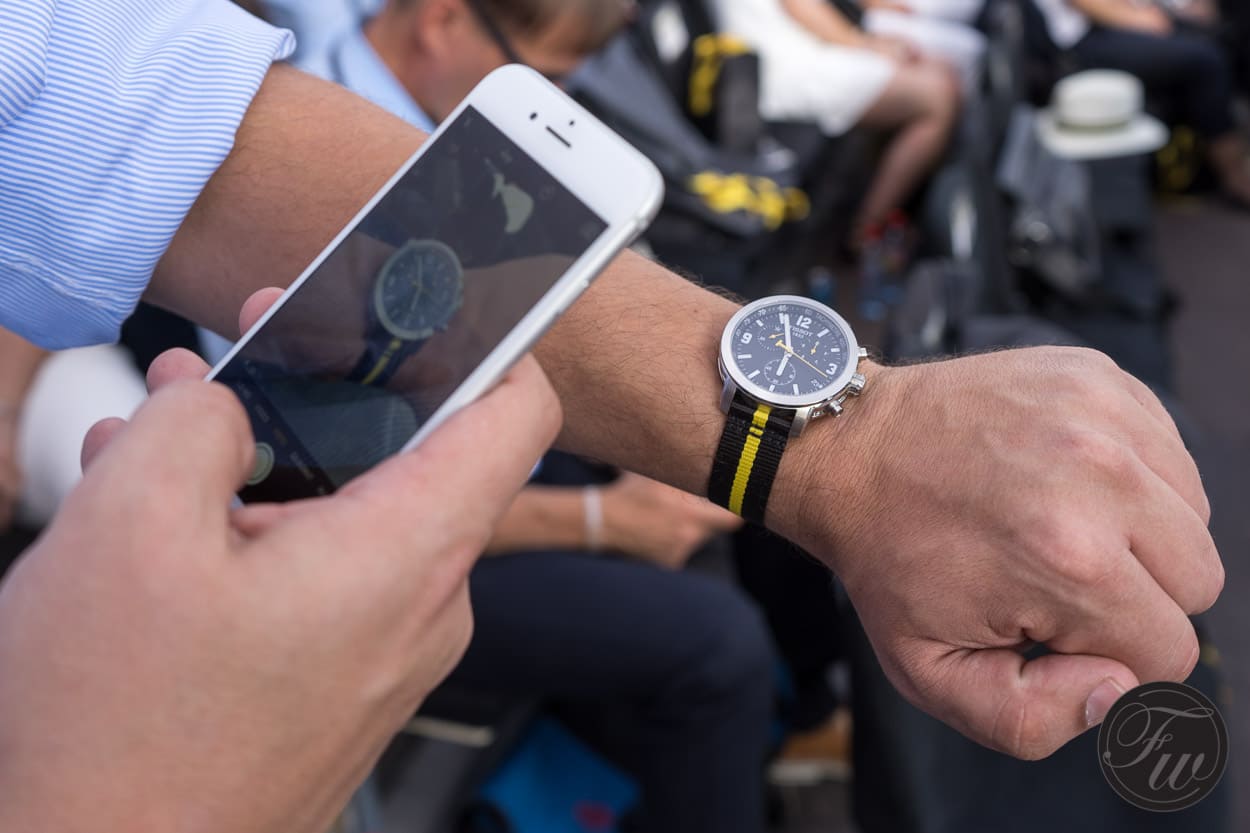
x=415, y=295
x=785, y=361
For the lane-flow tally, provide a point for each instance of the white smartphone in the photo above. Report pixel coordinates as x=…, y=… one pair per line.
x=444, y=280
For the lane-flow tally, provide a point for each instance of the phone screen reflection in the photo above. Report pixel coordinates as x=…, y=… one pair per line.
x=403, y=310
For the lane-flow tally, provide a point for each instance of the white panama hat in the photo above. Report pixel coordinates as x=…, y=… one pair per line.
x=1099, y=114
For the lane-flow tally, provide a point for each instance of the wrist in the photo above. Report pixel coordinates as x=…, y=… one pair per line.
x=822, y=492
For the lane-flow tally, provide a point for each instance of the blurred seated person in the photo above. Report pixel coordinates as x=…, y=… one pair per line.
x=316, y=23
x=669, y=674
x=942, y=29
x=48, y=402
x=1175, y=58
x=819, y=66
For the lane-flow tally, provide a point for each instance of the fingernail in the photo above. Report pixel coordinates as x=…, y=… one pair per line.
x=1101, y=701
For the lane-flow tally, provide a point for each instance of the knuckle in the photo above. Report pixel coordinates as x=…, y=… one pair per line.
x=1098, y=452
x=1068, y=552
x=1021, y=731
x=1184, y=657
x=1204, y=506
x=1095, y=360
x=1203, y=592
x=1216, y=585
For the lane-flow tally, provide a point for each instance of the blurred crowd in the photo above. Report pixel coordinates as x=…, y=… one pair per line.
x=956, y=175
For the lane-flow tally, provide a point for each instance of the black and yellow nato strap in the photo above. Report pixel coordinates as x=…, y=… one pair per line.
x=374, y=369
x=750, y=452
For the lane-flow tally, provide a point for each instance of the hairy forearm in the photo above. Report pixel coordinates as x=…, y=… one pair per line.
x=824, y=21
x=635, y=364
x=634, y=360
x=307, y=158
x=542, y=518
x=19, y=362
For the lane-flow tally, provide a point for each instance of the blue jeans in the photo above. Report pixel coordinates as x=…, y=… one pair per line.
x=669, y=675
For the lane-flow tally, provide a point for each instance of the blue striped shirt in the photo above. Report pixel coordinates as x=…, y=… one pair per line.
x=113, y=116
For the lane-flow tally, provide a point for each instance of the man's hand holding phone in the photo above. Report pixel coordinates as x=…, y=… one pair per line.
x=257, y=660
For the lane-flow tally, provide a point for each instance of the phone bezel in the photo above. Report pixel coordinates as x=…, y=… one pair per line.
x=585, y=156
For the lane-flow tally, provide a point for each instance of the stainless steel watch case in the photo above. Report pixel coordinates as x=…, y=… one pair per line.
x=804, y=411
x=833, y=406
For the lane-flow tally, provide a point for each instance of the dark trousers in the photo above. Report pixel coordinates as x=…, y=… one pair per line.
x=670, y=675
x=1186, y=69
x=797, y=596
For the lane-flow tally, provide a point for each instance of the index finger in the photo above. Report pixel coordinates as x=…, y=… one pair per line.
x=189, y=444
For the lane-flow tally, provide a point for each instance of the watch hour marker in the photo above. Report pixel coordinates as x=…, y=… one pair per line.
x=835, y=349
x=753, y=375
x=744, y=357
x=772, y=388
x=796, y=390
x=822, y=334
x=759, y=323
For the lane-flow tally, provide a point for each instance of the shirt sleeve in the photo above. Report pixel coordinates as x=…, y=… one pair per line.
x=114, y=114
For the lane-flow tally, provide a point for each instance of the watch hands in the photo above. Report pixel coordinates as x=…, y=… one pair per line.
x=419, y=286
x=791, y=352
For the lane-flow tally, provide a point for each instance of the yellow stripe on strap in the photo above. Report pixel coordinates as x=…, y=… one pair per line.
x=747, y=461
x=395, y=346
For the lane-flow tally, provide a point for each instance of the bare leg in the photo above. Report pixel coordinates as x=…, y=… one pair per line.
x=919, y=106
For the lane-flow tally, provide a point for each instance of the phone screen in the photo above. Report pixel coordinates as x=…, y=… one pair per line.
x=398, y=316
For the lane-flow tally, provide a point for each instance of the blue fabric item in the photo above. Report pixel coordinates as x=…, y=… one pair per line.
x=113, y=116
x=553, y=783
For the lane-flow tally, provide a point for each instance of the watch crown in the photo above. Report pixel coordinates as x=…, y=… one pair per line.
x=863, y=352
x=834, y=409
x=857, y=385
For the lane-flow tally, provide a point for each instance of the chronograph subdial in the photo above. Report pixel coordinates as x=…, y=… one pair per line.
x=781, y=372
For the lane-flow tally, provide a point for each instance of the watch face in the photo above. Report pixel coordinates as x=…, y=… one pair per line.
x=790, y=351
x=419, y=290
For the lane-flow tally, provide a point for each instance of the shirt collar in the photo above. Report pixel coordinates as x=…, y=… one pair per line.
x=360, y=69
